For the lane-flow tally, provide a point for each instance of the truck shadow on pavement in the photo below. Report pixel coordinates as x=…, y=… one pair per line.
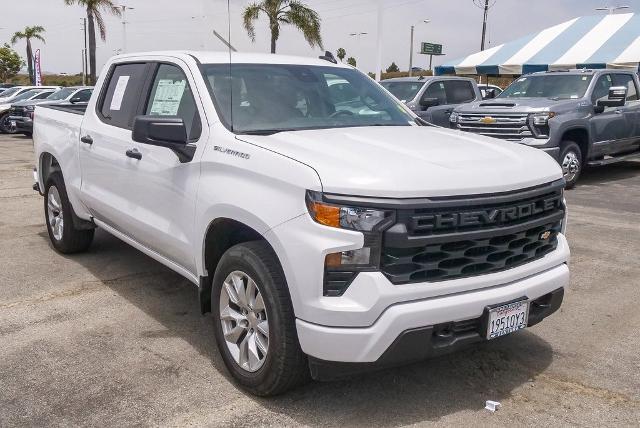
x=609, y=173
x=424, y=391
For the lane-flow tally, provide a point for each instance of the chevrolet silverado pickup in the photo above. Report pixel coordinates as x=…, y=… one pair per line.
x=327, y=231
x=579, y=117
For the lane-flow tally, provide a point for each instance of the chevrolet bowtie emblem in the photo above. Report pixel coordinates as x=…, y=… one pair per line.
x=488, y=120
x=545, y=235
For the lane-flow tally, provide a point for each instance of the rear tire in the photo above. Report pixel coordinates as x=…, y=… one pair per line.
x=58, y=214
x=265, y=365
x=571, y=163
x=5, y=127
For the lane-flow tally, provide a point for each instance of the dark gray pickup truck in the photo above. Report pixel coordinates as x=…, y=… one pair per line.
x=579, y=117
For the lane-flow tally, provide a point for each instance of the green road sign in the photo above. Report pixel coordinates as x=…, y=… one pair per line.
x=430, y=49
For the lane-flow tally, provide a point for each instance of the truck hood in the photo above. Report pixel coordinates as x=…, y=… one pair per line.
x=518, y=105
x=412, y=161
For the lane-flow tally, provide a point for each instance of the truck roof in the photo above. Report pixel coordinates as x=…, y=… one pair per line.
x=582, y=71
x=222, y=57
x=424, y=78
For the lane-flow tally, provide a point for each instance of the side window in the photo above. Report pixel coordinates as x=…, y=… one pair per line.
x=601, y=89
x=436, y=90
x=122, y=95
x=459, y=92
x=171, y=96
x=42, y=95
x=627, y=81
x=83, y=96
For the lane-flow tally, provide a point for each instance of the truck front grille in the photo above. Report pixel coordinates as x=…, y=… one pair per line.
x=451, y=238
x=503, y=125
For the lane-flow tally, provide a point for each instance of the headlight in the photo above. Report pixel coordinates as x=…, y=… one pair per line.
x=342, y=267
x=542, y=119
x=453, y=118
x=344, y=217
x=30, y=108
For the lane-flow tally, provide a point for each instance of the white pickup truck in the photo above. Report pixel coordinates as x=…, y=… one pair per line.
x=328, y=231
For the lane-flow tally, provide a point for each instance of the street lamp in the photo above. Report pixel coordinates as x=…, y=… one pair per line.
x=425, y=21
x=358, y=34
x=124, y=9
x=613, y=9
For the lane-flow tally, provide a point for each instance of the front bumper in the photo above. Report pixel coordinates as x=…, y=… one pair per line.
x=369, y=344
x=23, y=124
x=421, y=343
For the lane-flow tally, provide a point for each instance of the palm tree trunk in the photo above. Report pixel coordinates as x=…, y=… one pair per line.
x=274, y=30
x=30, y=62
x=92, y=47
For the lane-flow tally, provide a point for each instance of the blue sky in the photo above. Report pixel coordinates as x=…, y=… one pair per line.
x=160, y=24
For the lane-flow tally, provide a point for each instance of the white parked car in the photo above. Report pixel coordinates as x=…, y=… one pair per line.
x=16, y=94
x=324, y=238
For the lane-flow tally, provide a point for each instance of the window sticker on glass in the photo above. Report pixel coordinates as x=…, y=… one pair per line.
x=118, y=93
x=166, y=100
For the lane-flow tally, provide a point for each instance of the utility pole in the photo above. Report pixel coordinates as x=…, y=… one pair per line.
x=484, y=23
x=612, y=10
x=379, y=47
x=85, y=63
x=426, y=21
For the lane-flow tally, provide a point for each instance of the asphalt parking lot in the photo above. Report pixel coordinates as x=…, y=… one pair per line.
x=113, y=338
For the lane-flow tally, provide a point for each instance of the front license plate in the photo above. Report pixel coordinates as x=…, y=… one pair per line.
x=12, y=123
x=507, y=318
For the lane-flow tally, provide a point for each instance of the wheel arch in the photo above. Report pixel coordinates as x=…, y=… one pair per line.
x=221, y=234
x=47, y=165
x=580, y=136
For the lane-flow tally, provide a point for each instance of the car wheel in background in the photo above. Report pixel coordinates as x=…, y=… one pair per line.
x=254, y=322
x=571, y=162
x=5, y=125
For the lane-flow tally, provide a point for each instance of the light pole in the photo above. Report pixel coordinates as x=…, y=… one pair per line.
x=379, y=42
x=612, y=10
x=124, y=9
x=426, y=21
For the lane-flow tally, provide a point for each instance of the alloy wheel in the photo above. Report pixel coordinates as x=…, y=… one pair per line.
x=570, y=166
x=244, y=321
x=55, y=216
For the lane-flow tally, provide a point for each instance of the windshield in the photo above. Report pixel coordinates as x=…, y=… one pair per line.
x=61, y=94
x=404, y=91
x=268, y=98
x=27, y=95
x=549, y=86
x=10, y=92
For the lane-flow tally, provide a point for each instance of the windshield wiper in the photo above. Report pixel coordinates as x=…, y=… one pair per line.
x=264, y=131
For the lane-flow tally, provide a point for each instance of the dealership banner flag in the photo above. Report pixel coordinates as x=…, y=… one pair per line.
x=38, y=70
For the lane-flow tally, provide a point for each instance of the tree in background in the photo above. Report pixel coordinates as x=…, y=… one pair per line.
x=351, y=61
x=10, y=63
x=393, y=68
x=27, y=34
x=291, y=12
x=94, y=10
x=341, y=53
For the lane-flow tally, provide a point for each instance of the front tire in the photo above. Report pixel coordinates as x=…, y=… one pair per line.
x=58, y=214
x=571, y=163
x=254, y=322
x=5, y=125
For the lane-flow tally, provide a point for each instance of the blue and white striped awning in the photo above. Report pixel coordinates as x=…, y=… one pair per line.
x=606, y=41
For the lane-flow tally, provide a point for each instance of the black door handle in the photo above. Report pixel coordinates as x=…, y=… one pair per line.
x=134, y=153
x=87, y=139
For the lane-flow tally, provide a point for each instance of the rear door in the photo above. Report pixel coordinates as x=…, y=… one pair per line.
x=105, y=140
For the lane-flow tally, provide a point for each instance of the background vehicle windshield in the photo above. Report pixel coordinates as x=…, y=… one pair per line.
x=61, y=94
x=263, y=98
x=404, y=91
x=549, y=86
x=9, y=92
x=27, y=95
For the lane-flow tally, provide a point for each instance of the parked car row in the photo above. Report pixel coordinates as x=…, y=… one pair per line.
x=579, y=117
x=17, y=104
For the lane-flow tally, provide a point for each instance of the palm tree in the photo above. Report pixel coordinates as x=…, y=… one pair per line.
x=94, y=16
x=280, y=12
x=352, y=61
x=29, y=33
x=341, y=54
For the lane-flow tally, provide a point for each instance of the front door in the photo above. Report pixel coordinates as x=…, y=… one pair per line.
x=610, y=126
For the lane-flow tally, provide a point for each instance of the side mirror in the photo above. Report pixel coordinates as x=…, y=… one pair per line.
x=489, y=94
x=617, y=97
x=163, y=131
x=75, y=100
x=425, y=103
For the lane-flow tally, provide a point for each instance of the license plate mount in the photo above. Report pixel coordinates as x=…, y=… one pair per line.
x=506, y=318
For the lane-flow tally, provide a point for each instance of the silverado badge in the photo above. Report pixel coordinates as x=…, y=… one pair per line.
x=545, y=235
